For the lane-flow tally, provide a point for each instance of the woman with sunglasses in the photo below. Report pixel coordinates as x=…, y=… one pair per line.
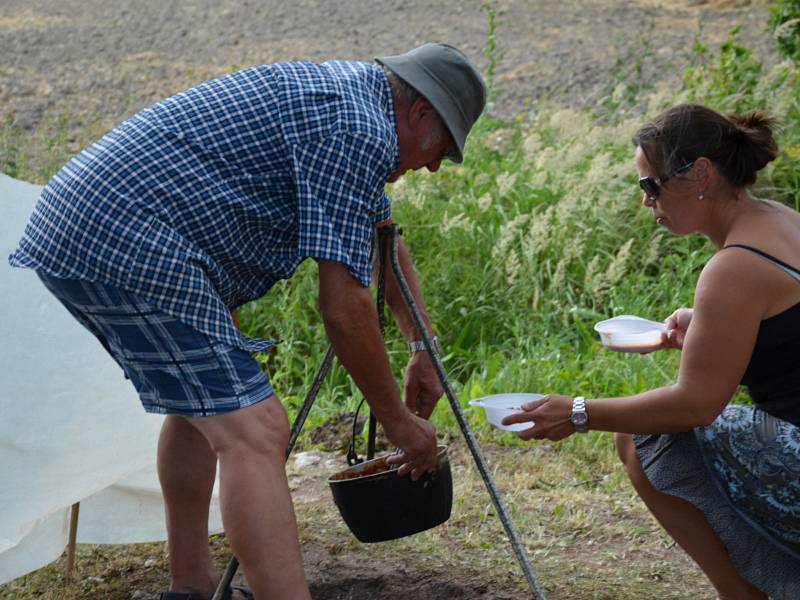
x=723, y=480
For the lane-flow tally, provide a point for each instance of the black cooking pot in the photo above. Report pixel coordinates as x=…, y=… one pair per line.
x=379, y=505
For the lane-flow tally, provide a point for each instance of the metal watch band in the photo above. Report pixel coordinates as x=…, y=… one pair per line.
x=419, y=345
x=579, y=417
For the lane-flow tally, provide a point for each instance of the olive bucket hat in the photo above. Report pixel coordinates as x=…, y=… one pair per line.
x=448, y=80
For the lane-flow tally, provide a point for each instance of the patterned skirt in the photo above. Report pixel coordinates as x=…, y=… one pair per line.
x=743, y=472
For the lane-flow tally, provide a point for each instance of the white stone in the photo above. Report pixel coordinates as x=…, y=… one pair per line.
x=306, y=459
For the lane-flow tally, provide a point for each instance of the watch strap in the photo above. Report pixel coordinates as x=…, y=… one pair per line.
x=579, y=416
x=419, y=345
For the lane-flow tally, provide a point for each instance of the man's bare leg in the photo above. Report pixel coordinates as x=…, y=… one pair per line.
x=257, y=511
x=186, y=469
x=689, y=528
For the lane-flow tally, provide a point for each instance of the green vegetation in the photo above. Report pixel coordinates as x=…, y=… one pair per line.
x=785, y=25
x=538, y=235
x=36, y=154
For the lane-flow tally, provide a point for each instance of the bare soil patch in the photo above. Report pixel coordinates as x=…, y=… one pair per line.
x=102, y=61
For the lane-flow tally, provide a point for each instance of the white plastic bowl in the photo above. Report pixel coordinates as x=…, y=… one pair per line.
x=628, y=333
x=498, y=406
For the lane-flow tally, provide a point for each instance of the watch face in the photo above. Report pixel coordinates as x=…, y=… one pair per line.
x=579, y=418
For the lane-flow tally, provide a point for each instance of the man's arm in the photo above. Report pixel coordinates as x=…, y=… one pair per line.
x=394, y=297
x=351, y=322
x=422, y=385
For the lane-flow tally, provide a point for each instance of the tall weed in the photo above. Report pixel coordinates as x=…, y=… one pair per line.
x=784, y=23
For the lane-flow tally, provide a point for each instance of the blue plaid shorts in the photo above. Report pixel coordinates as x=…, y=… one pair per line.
x=176, y=369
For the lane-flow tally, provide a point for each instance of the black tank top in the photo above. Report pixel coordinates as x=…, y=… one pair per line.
x=773, y=375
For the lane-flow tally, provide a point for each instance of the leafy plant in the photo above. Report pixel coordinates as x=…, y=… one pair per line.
x=490, y=51
x=729, y=83
x=784, y=23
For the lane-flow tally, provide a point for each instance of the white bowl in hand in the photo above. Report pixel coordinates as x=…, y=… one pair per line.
x=628, y=333
x=498, y=406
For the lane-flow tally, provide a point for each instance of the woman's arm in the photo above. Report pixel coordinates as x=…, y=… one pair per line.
x=731, y=299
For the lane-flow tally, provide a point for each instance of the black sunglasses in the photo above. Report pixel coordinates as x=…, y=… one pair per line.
x=652, y=185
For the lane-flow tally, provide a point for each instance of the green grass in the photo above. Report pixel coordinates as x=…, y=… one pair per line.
x=36, y=153
x=520, y=250
x=538, y=235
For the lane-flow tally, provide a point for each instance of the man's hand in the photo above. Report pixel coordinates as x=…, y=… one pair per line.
x=423, y=387
x=352, y=324
x=416, y=439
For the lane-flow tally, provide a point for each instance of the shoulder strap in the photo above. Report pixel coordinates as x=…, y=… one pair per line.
x=793, y=272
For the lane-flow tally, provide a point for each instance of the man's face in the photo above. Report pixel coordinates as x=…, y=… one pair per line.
x=420, y=146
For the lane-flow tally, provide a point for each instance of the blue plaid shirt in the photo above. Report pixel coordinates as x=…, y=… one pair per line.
x=203, y=201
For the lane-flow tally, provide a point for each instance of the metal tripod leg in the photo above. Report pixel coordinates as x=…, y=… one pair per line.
x=297, y=426
x=472, y=443
x=511, y=531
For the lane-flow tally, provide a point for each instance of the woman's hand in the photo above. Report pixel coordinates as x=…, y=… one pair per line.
x=677, y=326
x=550, y=417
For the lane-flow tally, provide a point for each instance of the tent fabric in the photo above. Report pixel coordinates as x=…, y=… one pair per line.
x=71, y=426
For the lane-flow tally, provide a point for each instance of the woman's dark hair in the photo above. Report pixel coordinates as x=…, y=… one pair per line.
x=739, y=146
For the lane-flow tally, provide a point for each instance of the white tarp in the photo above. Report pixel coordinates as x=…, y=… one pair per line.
x=71, y=426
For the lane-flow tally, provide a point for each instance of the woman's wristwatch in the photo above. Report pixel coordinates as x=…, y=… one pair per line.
x=419, y=346
x=579, y=417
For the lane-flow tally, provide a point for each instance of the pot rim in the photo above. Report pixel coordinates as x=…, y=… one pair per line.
x=442, y=453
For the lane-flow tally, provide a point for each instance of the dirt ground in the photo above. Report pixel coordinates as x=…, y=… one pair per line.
x=360, y=574
x=98, y=61
x=103, y=60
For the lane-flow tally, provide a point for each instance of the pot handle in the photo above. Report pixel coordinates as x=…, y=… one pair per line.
x=352, y=455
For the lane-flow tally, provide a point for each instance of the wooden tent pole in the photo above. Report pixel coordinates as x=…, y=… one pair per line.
x=73, y=535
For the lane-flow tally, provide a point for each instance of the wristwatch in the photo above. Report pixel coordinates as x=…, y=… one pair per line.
x=579, y=417
x=419, y=346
